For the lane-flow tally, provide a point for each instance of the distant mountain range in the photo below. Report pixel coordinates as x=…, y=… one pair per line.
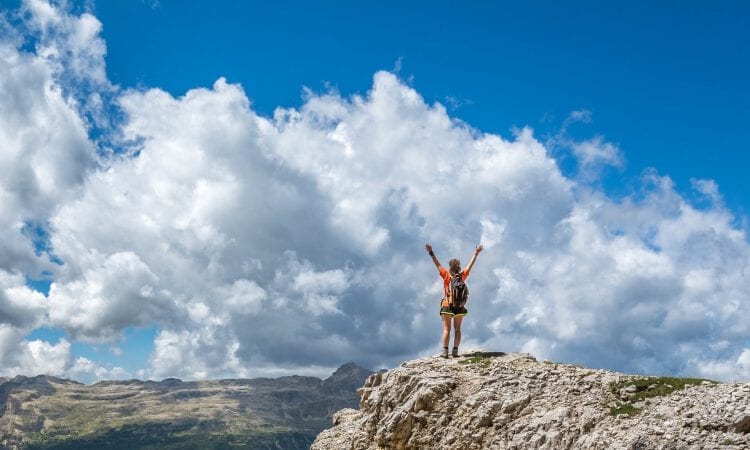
x=46, y=412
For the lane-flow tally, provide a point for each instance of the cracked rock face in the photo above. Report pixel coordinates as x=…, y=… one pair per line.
x=511, y=401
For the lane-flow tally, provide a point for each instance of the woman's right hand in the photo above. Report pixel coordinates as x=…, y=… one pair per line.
x=428, y=247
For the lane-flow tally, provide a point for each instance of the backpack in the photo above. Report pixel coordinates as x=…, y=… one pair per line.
x=458, y=292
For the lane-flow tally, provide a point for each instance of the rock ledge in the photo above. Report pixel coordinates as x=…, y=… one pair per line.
x=494, y=400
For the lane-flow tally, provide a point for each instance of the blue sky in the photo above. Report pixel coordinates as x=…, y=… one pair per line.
x=667, y=81
x=178, y=203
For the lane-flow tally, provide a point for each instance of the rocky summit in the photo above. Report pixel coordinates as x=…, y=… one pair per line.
x=485, y=400
x=261, y=413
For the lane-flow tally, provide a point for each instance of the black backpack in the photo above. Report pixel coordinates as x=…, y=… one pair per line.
x=458, y=292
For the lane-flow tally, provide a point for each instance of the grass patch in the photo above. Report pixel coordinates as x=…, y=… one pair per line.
x=169, y=436
x=637, y=389
x=648, y=387
x=624, y=408
x=481, y=361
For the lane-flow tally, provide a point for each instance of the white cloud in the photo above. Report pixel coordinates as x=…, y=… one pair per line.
x=117, y=292
x=330, y=205
x=709, y=189
x=20, y=306
x=69, y=43
x=724, y=369
x=40, y=357
x=294, y=243
x=317, y=282
x=45, y=153
x=88, y=371
x=492, y=232
x=592, y=155
x=596, y=152
x=208, y=352
x=579, y=115
x=744, y=359
x=35, y=357
x=243, y=295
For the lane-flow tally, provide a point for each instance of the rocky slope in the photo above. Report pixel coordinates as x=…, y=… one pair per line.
x=282, y=413
x=511, y=401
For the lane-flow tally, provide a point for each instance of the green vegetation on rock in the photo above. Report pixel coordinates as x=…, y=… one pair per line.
x=624, y=408
x=633, y=390
x=481, y=361
x=169, y=436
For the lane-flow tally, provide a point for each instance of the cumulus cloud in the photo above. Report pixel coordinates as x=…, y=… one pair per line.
x=37, y=357
x=45, y=155
x=592, y=154
x=42, y=357
x=115, y=293
x=70, y=45
x=298, y=239
x=20, y=307
x=316, y=217
x=293, y=243
x=71, y=42
x=23, y=309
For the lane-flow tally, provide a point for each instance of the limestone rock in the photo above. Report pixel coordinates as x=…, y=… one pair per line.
x=510, y=401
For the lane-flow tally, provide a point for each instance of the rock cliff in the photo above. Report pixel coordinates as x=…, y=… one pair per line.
x=511, y=401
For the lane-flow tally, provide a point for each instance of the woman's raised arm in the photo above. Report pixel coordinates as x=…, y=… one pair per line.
x=428, y=247
x=477, y=250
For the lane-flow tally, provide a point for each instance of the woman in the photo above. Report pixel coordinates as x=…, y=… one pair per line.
x=452, y=313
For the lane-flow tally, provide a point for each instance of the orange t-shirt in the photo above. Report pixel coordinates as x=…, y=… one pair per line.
x=446, y=276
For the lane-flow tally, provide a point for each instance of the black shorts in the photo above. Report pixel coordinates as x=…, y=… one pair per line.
x=456, y=311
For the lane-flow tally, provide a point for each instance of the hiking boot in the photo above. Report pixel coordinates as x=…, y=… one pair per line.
x=445, y=353
x=455, y=352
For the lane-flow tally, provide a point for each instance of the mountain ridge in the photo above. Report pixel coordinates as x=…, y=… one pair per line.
x=45, y=411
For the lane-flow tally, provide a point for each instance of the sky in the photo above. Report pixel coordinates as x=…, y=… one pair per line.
x=239, y=189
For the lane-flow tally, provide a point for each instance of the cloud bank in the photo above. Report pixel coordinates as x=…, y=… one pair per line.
x=294, y=243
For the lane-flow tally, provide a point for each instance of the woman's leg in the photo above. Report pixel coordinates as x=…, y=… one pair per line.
x=446, y=329
x=457, y=331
